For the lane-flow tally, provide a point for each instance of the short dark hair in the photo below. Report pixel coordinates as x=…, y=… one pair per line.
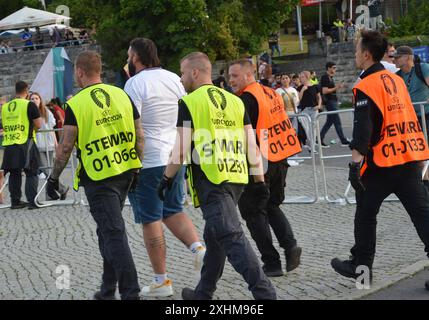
x=330, y=64
x=375, y=43
x=21, y=87
x=295, y=76
x=146, y=51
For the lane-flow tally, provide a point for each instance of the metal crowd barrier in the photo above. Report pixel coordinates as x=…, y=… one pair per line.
x=322, y=158
x=313, y=198
x=77, y=197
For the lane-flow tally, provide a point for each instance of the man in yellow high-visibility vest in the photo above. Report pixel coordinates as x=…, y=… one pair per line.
x=20, y=118
x=104, y=124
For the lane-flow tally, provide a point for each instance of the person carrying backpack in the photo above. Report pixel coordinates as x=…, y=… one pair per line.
x=415, y=74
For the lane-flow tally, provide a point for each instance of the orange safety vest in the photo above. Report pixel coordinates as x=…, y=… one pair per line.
x=276, y=136
x=401, y=138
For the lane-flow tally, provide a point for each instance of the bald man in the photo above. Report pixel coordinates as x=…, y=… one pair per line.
x=214, y=125
x=267, y=114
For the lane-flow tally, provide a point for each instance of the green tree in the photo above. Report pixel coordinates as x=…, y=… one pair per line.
x=8, y=7
x=224, y=29
x=415, y=22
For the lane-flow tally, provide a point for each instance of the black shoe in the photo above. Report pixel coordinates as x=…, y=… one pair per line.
x=293, y=258
x=63, y=195
x=19, y=205
x=272, y=271
x=32, y=206
x=188, y=294
x=347, y=268
x=98, y=296
x=345, y=143
x=324, y=145
x=427, y=285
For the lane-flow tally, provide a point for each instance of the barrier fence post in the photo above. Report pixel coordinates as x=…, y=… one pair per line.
x=302, y=199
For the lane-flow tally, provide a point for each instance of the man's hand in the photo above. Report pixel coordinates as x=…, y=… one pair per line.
x=52, y=188
x=166, y=183
x=354, y=176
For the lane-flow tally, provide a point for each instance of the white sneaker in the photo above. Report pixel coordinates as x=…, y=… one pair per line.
x=293, y=163
x=158, y=290
x=199, y=258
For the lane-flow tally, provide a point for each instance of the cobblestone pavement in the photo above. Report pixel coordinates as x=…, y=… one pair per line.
x=34, y=243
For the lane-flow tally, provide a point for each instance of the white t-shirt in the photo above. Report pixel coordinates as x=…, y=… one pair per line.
x=155, y=93
x=389, y=66
x=46, y=139
x=292, y=93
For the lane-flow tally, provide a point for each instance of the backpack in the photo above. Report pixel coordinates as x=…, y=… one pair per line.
x=418, y=70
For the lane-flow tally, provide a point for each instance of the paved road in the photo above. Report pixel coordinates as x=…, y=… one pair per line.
x=37, y=247
x=408, y=289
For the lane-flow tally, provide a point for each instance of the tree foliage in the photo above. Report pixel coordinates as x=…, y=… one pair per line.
x=8, y=7
x=415, y=22
x=224, y=29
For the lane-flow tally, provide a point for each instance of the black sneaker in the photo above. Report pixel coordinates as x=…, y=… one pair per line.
x=99, y=296
x=63, y=195
x=347, y=268
x=272, y=271
x=324, y=145
x=32, y=206
x=188, y=294
x=427, y=285
x=293, y=258
x=345, y=143
x=19, y=205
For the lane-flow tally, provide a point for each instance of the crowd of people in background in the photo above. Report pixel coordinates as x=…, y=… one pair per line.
x=37, y=40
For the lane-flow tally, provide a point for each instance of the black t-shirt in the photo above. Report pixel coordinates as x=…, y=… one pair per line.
x=327, y=82
x=309, y=98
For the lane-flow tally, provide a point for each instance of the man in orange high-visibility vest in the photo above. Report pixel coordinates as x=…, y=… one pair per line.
x=277, y=141
x=387, y=146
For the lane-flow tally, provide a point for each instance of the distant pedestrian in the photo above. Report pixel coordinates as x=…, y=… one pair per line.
x=329, y=90
x=273, y=42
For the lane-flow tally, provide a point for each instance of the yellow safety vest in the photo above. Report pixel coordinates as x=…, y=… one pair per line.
x=106, y=134
x=218, y=136
x=16, y=124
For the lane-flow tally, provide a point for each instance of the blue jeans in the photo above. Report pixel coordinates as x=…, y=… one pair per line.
x=275, y=47
x=147, y=207
x=333, y=119
x=106, y=200
x=225, y=238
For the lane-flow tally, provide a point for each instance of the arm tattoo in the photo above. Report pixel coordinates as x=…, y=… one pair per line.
x=139, y=139
x=64, y=150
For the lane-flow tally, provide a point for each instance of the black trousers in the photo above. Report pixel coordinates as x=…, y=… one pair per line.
x=405, y=182
x=15, y=183
x=258, y=222
x=106, y=200
x=225, y=238
x=332, y=119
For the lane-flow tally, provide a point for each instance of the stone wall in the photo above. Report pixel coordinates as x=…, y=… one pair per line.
x=343, y=54
x=25, y=66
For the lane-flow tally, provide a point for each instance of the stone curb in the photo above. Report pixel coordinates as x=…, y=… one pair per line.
x=387, y=282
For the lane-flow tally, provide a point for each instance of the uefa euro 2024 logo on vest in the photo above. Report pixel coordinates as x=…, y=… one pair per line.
x=101, y=98
x=218, y=99
x=12, y=106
